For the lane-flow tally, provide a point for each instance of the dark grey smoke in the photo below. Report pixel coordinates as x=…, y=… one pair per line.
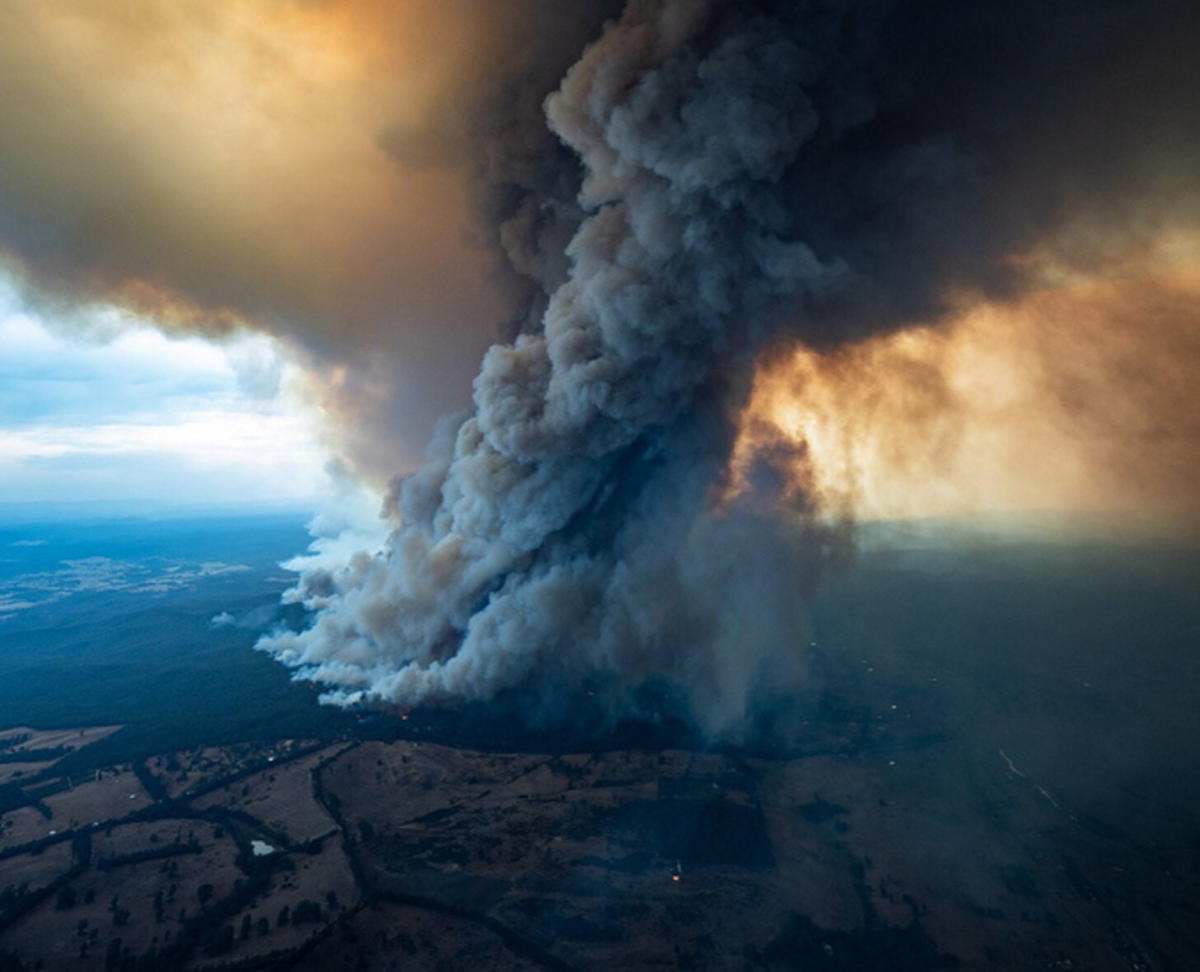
x=749, y=169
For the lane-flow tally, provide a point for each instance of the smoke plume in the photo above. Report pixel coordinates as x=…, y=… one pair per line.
x=222, y=164
x=705, y=180
x=744, y=165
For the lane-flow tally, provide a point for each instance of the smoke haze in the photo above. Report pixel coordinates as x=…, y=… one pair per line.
x=218, y=165
x=380, y=185
x=1075, y=396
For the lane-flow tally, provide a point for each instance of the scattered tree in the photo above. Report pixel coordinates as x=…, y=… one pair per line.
x=306, y=912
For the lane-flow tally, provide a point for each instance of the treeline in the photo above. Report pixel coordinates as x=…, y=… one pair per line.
x=148, y=735
x=150, y=783
x=257, y=766
x=150, y=854
x=34, y=755
x=81, y=852
x=207, y=929
x=12, y=797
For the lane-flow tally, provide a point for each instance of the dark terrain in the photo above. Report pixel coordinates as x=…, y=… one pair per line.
x=996, y=765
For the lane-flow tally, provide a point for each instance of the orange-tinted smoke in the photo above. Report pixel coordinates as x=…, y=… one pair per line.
x=215, y=164
x=1080, y=395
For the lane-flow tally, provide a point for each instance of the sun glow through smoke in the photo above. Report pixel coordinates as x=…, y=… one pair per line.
x=1073, y=397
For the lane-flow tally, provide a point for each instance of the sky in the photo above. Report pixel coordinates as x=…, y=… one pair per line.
x=373, y=190
x=623, y=308
x=216, y=166
x=130, y=417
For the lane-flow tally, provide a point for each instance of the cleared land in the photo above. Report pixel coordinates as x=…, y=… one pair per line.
x=887, y=846
x=994, y=766
x=116, y=870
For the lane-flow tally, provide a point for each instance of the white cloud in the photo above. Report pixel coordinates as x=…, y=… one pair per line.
x=142, y=416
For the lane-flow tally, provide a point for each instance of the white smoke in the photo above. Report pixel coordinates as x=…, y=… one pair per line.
x=509, y=560
x=842, y=167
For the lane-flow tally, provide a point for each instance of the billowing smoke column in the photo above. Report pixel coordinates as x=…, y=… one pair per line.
x=842, y=167
x=706, y=182
x=564, y=528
